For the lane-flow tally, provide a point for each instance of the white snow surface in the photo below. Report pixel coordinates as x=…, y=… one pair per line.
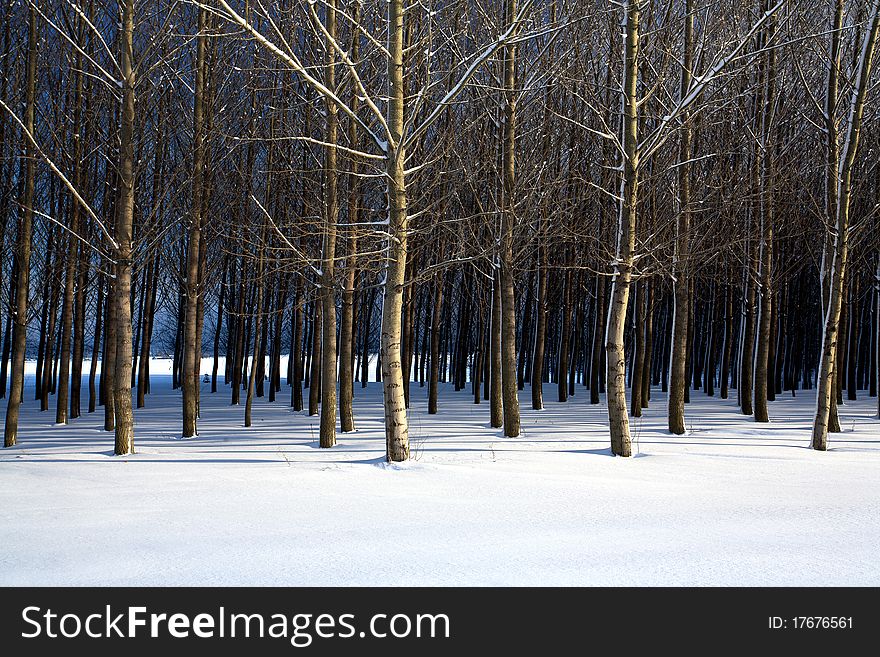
x=729, y=503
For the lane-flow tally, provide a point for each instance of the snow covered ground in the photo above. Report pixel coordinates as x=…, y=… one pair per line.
x=730, y=503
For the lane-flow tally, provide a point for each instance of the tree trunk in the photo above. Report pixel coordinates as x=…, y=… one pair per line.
x=348, y=323
x=564, y=339
x=837, y=270
x=192, y=351
x=296, y=387
x=23, y=245
x=540, y=329
x=621, y=443
x=764, y=110
x=681, y=257
x=640, y=301
x=853, y=340
x=258, y=306
x=396, y=424
x=71, y=272
x=599, y=317
x=314, y=366
x=508, y=218
x=96, y=344
x=124, y=227
x=649, y=344
x=434, y=377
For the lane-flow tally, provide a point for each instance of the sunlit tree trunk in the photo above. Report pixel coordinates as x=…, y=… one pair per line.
x=327, y=431
x=124, y=227
x=396, y=424
x=618, y=420
x=837, y=269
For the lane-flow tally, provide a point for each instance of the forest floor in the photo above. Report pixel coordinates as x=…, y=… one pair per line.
x=729, y=503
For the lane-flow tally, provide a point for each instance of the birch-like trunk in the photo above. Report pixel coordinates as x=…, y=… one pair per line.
x=618, y=420
x=396, y=424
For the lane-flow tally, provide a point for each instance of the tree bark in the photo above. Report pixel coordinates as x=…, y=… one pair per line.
x=71, y=273
x=508, y=296
x=496, y=410
x=640, y=301
x=618, y=420
x=396, y=424
x=540, y=326
x=124, y=227
x=681, y=257
x=434, y=377
x=23, y=246
x=837, y=270
x=192, y=352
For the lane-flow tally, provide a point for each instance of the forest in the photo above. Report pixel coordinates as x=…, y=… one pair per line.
x=616, y=198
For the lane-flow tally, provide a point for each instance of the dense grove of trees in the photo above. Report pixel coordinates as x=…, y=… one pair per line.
x=616, y=197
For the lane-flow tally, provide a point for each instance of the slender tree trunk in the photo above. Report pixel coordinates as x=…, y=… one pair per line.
x=191, y=350
x=80, y=299
x=328, y=291
x=728, y=342
x=508, y=218
x=23, y=245
x=366, y=329
x=296, y=389
x=681, y=258
x=540, y=328
x=396, y=424
x=96, y=344
x=564, y=339
x=239, y=345
x=71, y=273
x=626, y=234
x=124, y=226
x=853, y=340
x=348, y=322
x=837, y=270
x=315, y=359
x=146, y=321
x=598, y=326
x=50, y=335
x=649, y=344
x=747, y=356
x=765, y=109
x=640, y=301
x=258, y=306
x=434, y=378
x=219, y=327
x=496, y=407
